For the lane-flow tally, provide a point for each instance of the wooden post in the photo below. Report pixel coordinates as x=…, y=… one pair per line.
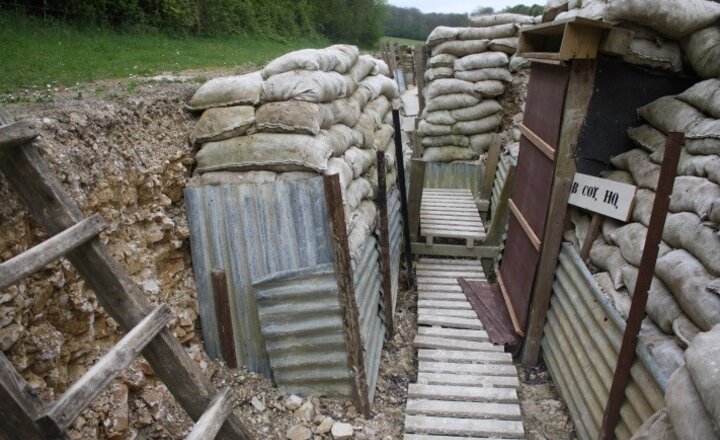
x=393, y=59
x=590, y=237
x=498, y=224
x=482, y=199
x=218, y=279
x=417, y=181
x=19, y=405
x=577, y=99
x=419, y=149
x=626, y=357
x=400, y=161
x=384, y=240
x=419, y=65
x=346, y=292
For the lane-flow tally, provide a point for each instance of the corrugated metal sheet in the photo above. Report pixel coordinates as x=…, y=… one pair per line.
x=396, y=240
x=302, y=323
x=367, y=281
x=252, y=231
x=506, y=161
x=582, y=338
x=454, y=175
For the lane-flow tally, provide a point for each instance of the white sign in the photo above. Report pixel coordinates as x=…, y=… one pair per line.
x=606, y=197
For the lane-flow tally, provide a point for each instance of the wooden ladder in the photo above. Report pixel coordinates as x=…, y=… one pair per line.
x=24, y=416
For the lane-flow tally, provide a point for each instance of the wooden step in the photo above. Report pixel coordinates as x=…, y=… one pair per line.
x=436, y=304
x=440, y=296
x=430, y=287
x=208, y=426
x=454, y=334
x=464, y=356
x=462, y=313
x=449, y=408
x=65, y=410
x=468, y=380
x=464, y=427
x=451, y=322
x=440, y=437
x=453, y=367
x=36, y=258
x=435, y=343
x=461, y=393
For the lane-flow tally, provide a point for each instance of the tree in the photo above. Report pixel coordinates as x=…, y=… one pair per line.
x=525, y=10
x=483, y=10
x=415, y=25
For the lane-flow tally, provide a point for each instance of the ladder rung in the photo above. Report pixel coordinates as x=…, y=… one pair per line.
x=46, y=252
x=207, y=426
x=17, y=133
x=65, y=410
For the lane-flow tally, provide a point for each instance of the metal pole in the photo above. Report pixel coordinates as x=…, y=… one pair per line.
x=403, y=197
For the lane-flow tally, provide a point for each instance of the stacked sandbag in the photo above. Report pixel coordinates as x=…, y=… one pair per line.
x=307, y=112
x=467, y=73
x=680, y=302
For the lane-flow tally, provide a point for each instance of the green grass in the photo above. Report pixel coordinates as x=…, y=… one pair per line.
x=37, y=53
x=406, y=41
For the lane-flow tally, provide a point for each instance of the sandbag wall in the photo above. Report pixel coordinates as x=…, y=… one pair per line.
x=258, y=211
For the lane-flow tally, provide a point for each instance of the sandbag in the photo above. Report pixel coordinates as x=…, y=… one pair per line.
x=642, y=208
x=693, y=194
x=484, y=125
x=485, y=20
x=662, y=347
x=300, y=85
x=343, y=137
x=518, y=63
x=703, y=364
x=442, y=117
x=686, y=409
x=704, y=96
x=672, y=18
x=661, y=305
x=221, y=123
x=381, y=67
x=645, y=173
x=688, y=164
x=451, y=102
x=447, y=86
x=377, y=109
x=608, y=258
x=686, y=278
x=656, y=427
x=581, y=223
x=507, y=45
x=712, y=170
x=491, y=73
x=685, y=331
x=461, y=48
x=344, y=111
x=383, y=137
x=367, y=126
x=227, y=90
x=233, y=177
x=618, y=176
x=620, y=300
x=670, y=114
x=441, y=34
x=357, y=237
x=358, y=190
x=488, y=33
x=380, y=85
x=362, y=68
x=294, y=117
x=484, y=109
x=444, y=141
x=702, y=49
x=647, y=137
x=714, y=215
x=608, y=227
x=427, y=129
x=483, y=60
x=337, y=165
x=448, y=154
x=489, y=88
x=338, y=58
x=631, y=241
x=656, y=53
x=481, y=143
x=359, y=160
x=441, y=60
x=266, y=151
x=435, y=73
x=686, y=231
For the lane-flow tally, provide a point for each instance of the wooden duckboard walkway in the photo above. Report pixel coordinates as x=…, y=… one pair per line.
x=450, y=213
x=466, y=386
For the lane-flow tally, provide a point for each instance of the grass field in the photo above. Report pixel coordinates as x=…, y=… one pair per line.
x=38, y=53
x=403, y=41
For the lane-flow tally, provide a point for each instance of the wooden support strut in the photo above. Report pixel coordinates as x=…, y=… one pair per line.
x=384, y=240
x=417, y=180
x=626, y=356
x=212, y=420
x=224, y=318
x=400, y=164
x=419, y=65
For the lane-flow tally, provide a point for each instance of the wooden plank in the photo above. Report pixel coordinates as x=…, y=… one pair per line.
x=417, y=179
x=419, y=66
x=454, y=343
x=218, y=279
x=426, y=260
x=48, y=251
x=449, y=408
x=437, y=288
x=19, y=405
x=454, y=367
x=454, y=334
x=463, y=313
x=63, y=412
x=117, y=293
x=451, y=233
x=460, y=393
x=442, y=296
x=439, y=437
x=468, y=380
x=591, y=235
x=449, y=273
x=464, y=427
x=508, y=304
x=543, y=146
x=491, y=165
x=346, y=294
x=384, y=245
x=534, y=239
x=437, y=305
x=212, y=420
x=17, y=133
x=485, y=357
x=404, y=207
x=455, y=250
x=472, y=324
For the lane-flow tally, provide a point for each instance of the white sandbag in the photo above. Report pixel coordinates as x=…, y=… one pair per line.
x=345, y=111
x=618, y=176
x=343, y=137
x=484, y=109
x=377, y=109
x=451, y=102
x=448, y=154
x=266, y=151
x=489, y=88
x=488, y=33
x=337, y=165
x=427, y=129
x=693, y=194
x=444, y=141
x=688, y=164
x=647, y=137
x=381, y=67
x=362, y=68
x=461, y=48
x=338, y=58
x=481, y=143
x=657, y=54
x=707, y=130
x=642, y=208
x=661, y=305
x=441, y=34
x=663, y=348
x=359, y=160
x=518, y=63
x=608, y=227
x=220, y=123
x=645, y=173
x=657, y=427
x=492, y=73
x=631, y=241
x=712, y=170
x=484, y=125
x=294, y=117
x=380, y=85
x=685, y=331
x=507, y=45
x=481, y=61
x=702, y=49
x=367, y=125
x=619, y=299
x=670, y=114
x=703, y=364
x=673, y=18
x=608, y=258
x=687, y=278
x=358, y=190
x=686, y=410
x=435, y=73
x=300, y=85
x=686, y=231
x=442, y=117
x=441, y=60
x=581, y=222
x=227, y=90
x=485, y=20
x=383, y=137
x=704, y=96
x=447, y=86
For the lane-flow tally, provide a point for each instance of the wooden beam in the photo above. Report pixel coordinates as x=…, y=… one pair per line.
x=543, y=146
x=417, y=181
x=117, y=293
x=65, y=410
x=400, y=164
x=498, y=223
x=48, y=251
x=592, y=232
x=508, y=304
x=17, y=133
x=19, y=405
x=490, y=170
x=384, y=242
x=213, y=419
x=531, y=235
x=577, y=99
x=626, y=356
x=419, y=65
x=218, y=279
x=346, y=292
x=455, y=250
